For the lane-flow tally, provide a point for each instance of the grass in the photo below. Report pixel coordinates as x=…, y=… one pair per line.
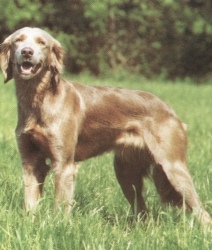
x=100, y=219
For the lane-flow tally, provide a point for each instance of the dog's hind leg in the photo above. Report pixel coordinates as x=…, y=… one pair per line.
x=165, y=189
x=130, y=173
x=175, y=186
x=171, y=175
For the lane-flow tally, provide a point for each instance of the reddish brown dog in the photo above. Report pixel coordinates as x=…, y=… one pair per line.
x=67, y=122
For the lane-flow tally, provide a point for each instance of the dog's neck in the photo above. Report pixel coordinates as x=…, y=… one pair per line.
x=31, y=93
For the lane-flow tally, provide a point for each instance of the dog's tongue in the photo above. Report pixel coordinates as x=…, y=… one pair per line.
x=26, y=68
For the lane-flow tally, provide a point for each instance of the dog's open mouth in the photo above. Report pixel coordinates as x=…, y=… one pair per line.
x=28, y=68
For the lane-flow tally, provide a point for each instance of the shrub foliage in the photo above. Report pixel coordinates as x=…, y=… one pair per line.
x=172, y=38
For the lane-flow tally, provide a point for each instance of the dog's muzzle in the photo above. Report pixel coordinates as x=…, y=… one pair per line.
x=27, y=66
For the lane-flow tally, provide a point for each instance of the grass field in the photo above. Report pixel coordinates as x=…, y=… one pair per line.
x=101, y=215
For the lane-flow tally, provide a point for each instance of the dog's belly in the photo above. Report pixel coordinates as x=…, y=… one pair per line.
x=91, y=148
x=107, y=140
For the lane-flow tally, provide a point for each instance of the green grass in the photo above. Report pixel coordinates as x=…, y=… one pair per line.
x=100, y=219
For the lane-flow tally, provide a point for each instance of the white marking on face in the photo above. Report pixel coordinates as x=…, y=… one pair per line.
x=33, y=40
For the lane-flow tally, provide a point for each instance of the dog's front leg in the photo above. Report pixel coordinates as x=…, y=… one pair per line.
x=35, y=170
x=64, y=184
x=34, y=177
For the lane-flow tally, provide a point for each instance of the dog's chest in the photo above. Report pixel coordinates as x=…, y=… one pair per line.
x=37, y=135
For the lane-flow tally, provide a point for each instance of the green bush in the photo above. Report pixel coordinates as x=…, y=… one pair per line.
x=168, y=37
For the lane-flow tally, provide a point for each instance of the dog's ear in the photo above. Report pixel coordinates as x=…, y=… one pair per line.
x=5, y=62
x=56, y=60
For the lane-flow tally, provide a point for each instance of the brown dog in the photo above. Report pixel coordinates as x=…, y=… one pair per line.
x=68, y=122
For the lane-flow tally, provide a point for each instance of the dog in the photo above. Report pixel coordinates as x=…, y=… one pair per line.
x=68, y=122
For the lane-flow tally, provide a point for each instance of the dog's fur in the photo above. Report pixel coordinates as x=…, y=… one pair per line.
x=68, y=122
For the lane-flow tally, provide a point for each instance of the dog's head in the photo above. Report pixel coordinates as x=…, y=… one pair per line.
x=29, y=51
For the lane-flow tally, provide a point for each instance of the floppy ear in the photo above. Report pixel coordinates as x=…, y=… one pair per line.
x=56, y=60
x=5, y=62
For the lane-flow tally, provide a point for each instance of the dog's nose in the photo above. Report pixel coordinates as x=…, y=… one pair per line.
x=27, y=52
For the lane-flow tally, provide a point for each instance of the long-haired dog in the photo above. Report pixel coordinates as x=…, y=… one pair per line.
x=67, y=122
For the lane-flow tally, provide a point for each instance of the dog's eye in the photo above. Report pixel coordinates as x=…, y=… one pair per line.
x=41, y=42
x=18, y=40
